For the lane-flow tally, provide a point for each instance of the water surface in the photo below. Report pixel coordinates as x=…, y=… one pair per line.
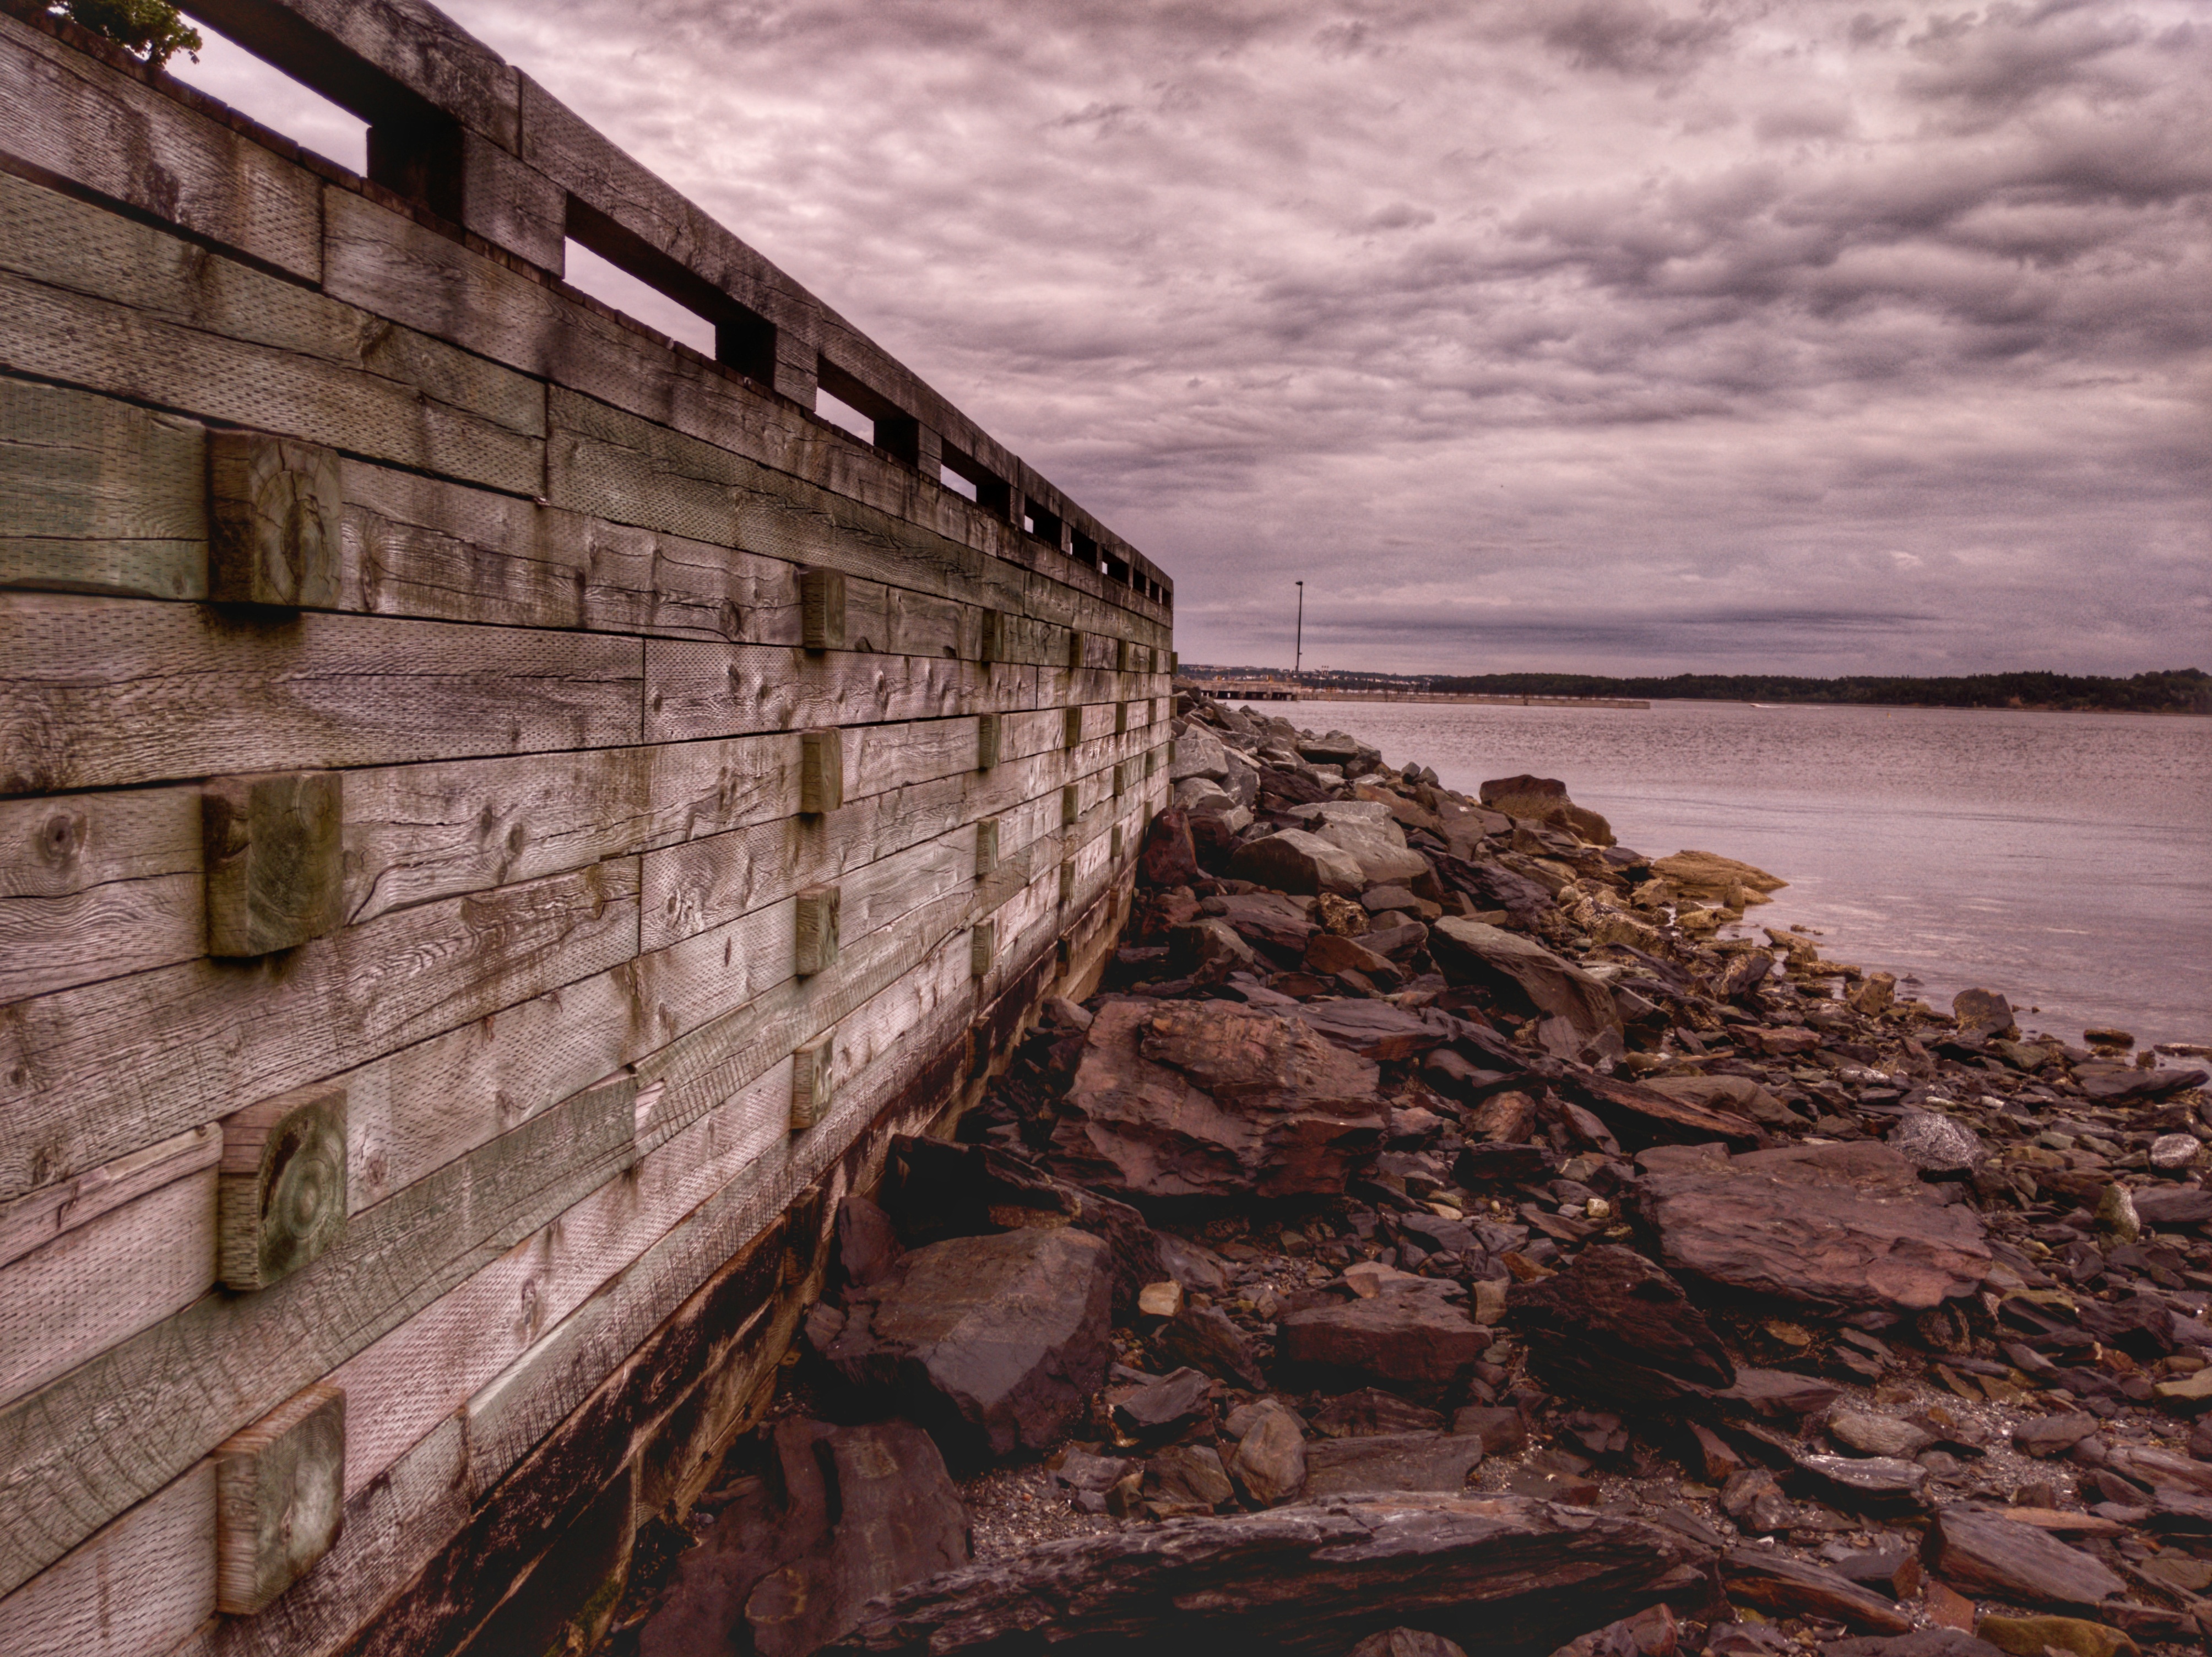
x=2064, y=859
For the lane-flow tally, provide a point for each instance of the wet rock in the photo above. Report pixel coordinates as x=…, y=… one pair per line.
x=1782, y=1586
x=1989, y=1555
x=1293, y=860
x=1577, y=1011
x=992, y=1342
x=1395, y=1461
x=867, y=1242
x=1842, y=1227
x=844, y=1513
x=1712, y=879
x=1936, y=1144
x=1483, y=1570
x=2123, y=1084
x=1544, y=800
x=1416, y=1343
x=1983, y=1014
x=2032, y=1636
x=1615, y=1328
x=1270, y=1463
x=1211, y=1100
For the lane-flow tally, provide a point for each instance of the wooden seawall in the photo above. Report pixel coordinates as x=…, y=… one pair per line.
x=500, y=817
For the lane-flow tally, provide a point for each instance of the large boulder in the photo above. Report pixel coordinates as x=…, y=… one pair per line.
x=1169, y=858
x=1199, y=753
x=1578, y=1012
x=1366, y=831
x=1391, y=1461
x=994, y=1344
x=1498, y=1574
x=1544, y=799
x=1214, y=1100
x=1836, y=1228
x=1293, y=860
x=1714, y=879
x=1615, y=1328
x=840, y=1515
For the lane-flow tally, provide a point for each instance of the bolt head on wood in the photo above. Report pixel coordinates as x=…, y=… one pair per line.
x=809, y=1083
x=1121, y=776
x=1115, y=852
x=280, y=1499
x=1070, y=806
x=822, y=609
x=986, y=848
x=1071, y=733
x=1067, y=882
x=1075, y=646
x=821, y=770
x=274, y=509
x=280, y=1187
x=273, y=848
x=1121, y=718
x=991, y=645
x=816, y=949
x=982, y=948
x=987, y=741
x=1124, y=656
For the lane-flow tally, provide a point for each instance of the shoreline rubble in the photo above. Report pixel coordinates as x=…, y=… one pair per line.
x=1438, y=1234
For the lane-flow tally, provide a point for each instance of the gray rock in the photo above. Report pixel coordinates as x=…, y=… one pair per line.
x=1187, y=1477
x=1936, y=1144
x=1987, y=1554
x=1576, y=1010
x=1270, y=1463
x=2174, y=1150
x=1296, y=861
x=1199, y=754
x=1874, y=1434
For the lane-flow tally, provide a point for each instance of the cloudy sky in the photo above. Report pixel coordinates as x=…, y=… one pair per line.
x=1594, y=335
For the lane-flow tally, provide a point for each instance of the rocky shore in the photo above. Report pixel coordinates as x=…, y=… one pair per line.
x=1446, y=1231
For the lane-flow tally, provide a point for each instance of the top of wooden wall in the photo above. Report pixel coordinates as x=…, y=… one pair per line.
x=472, y=146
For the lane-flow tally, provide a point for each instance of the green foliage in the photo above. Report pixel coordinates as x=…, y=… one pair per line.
x=2186, y=690
x=154, y=29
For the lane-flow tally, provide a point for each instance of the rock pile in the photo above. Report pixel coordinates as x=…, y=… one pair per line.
x=1443, y=1233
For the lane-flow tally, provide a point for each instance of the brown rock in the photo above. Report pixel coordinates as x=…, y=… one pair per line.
x=1296, y=861
x=1326, y=953
x=1988, y=1554
x=1487, y=1571
x=1214, y=1100
x=1378, y=1029
x=1615, y=1329
x=2031, y=1637
x=1738, y=1096
x=1782, y=1586
x=1640, y=1115
x=1413, y=1343
x=1702, y=874
x=1577, y=1011
x=1394, y=1461
x=1169, y=858
x=1270, y=1463
x=1406, y=1643
x=1837, y=1228
x=1367, y=1411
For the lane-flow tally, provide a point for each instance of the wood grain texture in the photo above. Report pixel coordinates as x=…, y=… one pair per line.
x=193, y=1380
x=281, y=1190
x=136, y=1588
x=697, y=690
x=272, y=846
x=274, y=510
x=33, y=1221
x=814, y=928
x=98, y=496
x=95, y=886
x=98, y=693
x=94, y=298
x=90, y=1073
x=80, y=120
x=104, y=1281
x=821, y=770
x=279, y=1496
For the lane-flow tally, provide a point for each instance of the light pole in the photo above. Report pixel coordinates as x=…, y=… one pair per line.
x=1298, y=650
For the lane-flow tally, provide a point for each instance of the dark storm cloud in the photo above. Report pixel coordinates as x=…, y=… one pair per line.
x=1641, y=333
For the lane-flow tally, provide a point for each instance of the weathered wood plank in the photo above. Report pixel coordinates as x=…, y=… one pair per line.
x=699, y=690
x=279, y=1496
x=102, y=692
x=393, y=1526
x=33, y=1221
x=135, y=1589
x=80, y=120
x=192, y=1380
x=102, y=1282
x=98, y=300
x=98, y=496
x=93, y=1072
x=96, y=885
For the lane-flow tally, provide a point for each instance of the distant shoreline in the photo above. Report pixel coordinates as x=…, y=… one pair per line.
x=1446, y=700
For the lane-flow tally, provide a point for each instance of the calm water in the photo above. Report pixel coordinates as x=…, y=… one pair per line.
x=2064, y=859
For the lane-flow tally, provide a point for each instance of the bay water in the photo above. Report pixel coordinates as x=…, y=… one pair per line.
x=2062, y=859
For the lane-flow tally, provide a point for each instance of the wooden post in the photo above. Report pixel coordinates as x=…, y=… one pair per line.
x=991, y=645
x=274, y=508
x=1120, y=777
x=1120, y=719
x=1071, y=806
x=280, y=1494
x=822, y=609
x=821, y=770
x=816, y=950
x=274, y=855
x=982, y=948
x=986, y=848
x=809, y=1083
x=1071, y=735
x=281, y=1191
x=987, y=741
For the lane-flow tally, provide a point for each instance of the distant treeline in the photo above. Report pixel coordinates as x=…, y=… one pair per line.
x=2185, y=690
